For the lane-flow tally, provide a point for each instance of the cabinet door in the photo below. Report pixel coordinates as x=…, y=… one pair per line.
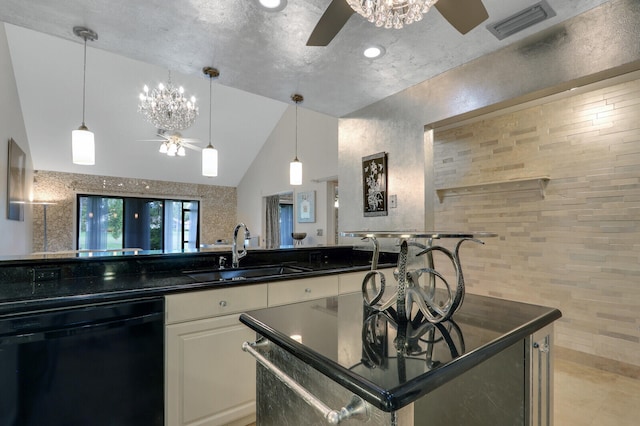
x=210, y=380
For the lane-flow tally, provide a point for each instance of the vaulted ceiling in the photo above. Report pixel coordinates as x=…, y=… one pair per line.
x=262, y=57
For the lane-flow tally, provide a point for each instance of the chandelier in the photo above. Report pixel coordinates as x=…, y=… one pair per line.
x=167, y=108
x=392, y=13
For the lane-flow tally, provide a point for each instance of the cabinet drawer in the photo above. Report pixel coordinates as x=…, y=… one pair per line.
x=283, y=292
x=351, y=282
x=210, y=303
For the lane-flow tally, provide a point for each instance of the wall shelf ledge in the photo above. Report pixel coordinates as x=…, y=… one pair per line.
x=523, y=184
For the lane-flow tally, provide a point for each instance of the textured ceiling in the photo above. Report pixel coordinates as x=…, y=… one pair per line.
x=264, y=52
x=261, y=55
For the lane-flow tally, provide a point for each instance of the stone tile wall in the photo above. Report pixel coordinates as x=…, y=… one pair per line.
x=217, y=204
x=578, y=248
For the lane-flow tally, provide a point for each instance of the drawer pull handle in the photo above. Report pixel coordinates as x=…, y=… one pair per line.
x=307, y=290
x=223, y=303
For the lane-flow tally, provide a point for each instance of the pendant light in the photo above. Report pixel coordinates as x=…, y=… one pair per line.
x=295, y=167
x=210, y=154
x=82, y=141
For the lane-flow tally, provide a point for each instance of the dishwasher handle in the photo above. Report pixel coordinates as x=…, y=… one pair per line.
x=77, y=329
x=356, y=407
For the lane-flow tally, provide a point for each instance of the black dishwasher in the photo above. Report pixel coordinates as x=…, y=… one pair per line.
x=92, y=365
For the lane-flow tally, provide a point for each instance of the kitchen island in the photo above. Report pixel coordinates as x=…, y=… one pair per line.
x=491, y=363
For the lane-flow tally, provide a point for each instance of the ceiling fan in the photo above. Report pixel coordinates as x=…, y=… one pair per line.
x=463, y=15
x=173, y=143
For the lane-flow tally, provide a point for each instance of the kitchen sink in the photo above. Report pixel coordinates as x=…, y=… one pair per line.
x=234, y=274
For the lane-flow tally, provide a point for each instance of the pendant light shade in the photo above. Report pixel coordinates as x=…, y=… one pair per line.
x=210, y=161
x=83, y=146
x=82, y=140
x=295, y=167
x=210, y=154
x=295, y=172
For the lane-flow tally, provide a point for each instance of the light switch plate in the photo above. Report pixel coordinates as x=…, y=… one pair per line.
x=393, y=201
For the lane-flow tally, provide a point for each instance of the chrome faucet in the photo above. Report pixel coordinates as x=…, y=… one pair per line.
x=237, y=255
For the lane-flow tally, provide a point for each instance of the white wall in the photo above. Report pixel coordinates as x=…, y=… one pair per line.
x=269, y=173
x=16, y=236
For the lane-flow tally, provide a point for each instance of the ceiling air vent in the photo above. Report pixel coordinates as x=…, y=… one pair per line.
x=521, y=20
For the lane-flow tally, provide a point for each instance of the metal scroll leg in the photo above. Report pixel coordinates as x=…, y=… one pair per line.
x=356, y=407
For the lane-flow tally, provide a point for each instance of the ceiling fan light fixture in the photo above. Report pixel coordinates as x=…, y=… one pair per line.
x=392, y=13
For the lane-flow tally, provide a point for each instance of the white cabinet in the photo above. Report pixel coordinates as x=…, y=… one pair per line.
x=292, y=291
x=209, y=380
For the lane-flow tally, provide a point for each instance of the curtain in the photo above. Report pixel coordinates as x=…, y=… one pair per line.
x=272, y=237
x=95, y=216
x=193, y=225
x=172, y=225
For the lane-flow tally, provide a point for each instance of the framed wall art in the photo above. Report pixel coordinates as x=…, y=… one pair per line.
x=16, y=172
x=306, y=206
x=374, y=184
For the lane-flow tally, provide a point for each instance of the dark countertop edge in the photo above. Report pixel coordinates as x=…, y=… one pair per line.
x=17, y=307
x=394, y=399
x=107, y=255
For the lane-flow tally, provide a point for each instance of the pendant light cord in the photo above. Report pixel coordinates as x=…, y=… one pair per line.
x=210, y=96
x=84, y=79
x=296, y=131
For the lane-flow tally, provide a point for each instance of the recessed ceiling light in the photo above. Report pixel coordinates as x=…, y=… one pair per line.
x=373, y=52
x=273, y=5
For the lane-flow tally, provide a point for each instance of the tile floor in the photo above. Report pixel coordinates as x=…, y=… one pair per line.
x=586, y=396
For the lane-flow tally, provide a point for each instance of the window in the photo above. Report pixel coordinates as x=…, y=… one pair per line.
x=110, y=223
x=286, y=224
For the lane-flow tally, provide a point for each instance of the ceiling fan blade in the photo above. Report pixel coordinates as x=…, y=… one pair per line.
x=191, y=146
x=331, y=22
x=463, y=15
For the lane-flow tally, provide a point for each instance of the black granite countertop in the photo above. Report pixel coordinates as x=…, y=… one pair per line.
x=37, y=284
x=357, y=348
